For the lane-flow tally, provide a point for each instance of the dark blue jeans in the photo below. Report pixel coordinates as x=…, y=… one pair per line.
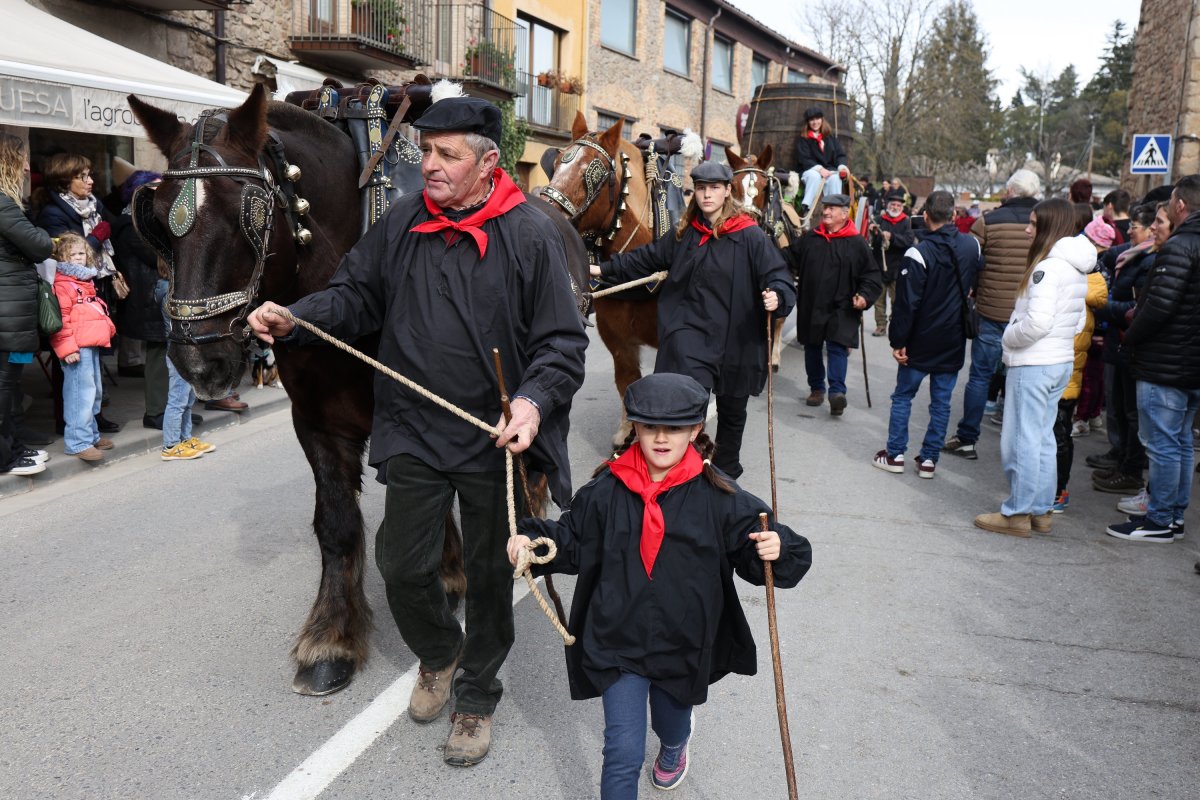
x=1165, y=426
x=941, y=387
x=814, y=365
x=986, y=350
x=625, y=732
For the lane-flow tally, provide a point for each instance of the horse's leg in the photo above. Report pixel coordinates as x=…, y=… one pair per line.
x=454, y=578
x=333, y=643
x=615, y=321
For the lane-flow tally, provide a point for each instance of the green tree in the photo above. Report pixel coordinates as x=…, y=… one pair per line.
x=513, y=133
x=1106, y=97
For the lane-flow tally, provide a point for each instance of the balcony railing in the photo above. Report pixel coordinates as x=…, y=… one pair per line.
x=475, y=44
x=355, y=35
x=545, y=106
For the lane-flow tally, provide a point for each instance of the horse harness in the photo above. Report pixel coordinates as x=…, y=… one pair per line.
x=262, y=193
x=773, y=220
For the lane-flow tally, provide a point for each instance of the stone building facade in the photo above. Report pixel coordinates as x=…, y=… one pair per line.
x=1165, y=95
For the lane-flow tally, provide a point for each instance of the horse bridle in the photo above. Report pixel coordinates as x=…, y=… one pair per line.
x=599, y=172
x=256, y=215
x=771, y=221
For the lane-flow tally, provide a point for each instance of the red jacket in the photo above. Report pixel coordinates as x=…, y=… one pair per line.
x=85, y=317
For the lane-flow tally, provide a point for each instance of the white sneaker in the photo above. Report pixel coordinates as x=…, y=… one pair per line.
x=925, y=469
x=1096, y=423
x=1080, y=428
x=1135, y=505
x=25, y=466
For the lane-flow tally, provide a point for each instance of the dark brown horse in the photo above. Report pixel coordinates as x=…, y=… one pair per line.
x=226, y=219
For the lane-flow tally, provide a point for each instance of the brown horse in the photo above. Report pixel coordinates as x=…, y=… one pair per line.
x=227, y=218
x=599, y=184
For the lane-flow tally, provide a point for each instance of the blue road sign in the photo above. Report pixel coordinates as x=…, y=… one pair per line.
x=1151, y=154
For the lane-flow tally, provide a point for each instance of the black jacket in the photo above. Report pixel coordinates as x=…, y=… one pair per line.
x=1164, y=338
x=711, y=322
x=902, y=238
x=930, y=290
x=440, y=309
x=684, y=629
x=57, y=217
x=809, y=154
x=829, y=272
x=138, y=316
x=21, y=244
x=1126, y=284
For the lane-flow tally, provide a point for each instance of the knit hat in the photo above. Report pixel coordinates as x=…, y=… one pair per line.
x=1100, y=233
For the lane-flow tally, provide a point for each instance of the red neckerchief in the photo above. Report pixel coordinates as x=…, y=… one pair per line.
x=505, y=197
x=820, y=139
x=631, y=470
x=899, y=219
x=740, y=222
x=846, y=231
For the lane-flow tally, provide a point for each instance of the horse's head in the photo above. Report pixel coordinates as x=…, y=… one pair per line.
x=590, y=178
x=226, y=202
x=751, y=179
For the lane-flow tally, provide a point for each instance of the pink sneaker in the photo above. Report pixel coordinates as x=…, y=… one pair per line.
x=671, y=765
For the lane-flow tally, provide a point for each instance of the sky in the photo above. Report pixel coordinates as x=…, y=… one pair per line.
x=1059, y=33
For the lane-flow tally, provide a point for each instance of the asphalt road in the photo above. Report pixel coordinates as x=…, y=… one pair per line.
x=148, y=610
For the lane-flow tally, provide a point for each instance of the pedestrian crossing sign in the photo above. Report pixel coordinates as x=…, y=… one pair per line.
x=1151, y=154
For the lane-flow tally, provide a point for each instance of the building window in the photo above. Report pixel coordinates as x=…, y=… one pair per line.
x=677, y=42
x=758, y=72
x=618, y=24
x=606, y=119
x=796, y=76
x=537, y=55
x=716, y=150
x=722, y=64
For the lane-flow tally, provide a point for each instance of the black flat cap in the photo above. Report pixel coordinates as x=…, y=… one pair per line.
x=897, y=197
x=666, y=399
x=462, y=115
x=813, y=112
x=712, y=172
x=836, y=200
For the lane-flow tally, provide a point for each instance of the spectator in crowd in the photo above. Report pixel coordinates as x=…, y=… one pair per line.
x=178, y=443
x=724, y=275
x=21, y=244
x=1039, y=349
x=962, y=220
x=1116, y=213
x=927, y=334
x=1166, y=364
x=87, y=328
x=1088, y=388
x=821, y=158
x=836, y=279
x=1001, y=234
x=890, y=238
x=1100, y=235
x=1081, y=192
x=1120, y=469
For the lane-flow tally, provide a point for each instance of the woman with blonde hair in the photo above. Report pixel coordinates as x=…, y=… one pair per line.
x=724, y=274
x=1039, y=351
x=21, y=244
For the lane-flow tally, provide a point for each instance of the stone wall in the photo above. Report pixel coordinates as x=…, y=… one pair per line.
x=1165, y=96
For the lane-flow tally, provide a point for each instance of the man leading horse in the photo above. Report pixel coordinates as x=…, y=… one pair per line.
x=444, y=277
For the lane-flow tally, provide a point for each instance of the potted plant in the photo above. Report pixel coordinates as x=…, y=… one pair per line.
x=485, y=59
x=548, y=79
x=569, y=84
x=382, y=20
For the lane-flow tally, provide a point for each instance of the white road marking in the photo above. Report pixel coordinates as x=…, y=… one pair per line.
x=310, y=779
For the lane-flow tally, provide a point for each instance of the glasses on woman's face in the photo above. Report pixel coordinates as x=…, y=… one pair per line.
x=1137, y=226
x=84, y=176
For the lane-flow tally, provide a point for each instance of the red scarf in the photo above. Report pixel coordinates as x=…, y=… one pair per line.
x=820, y=139
x=901, y=218
x=631, y=470
x=740, y=222
x=846, y=231
x=505, y=197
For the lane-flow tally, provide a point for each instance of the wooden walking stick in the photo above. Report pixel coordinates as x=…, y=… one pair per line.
x=507, y=409
x=862, y=346
x=785, y=735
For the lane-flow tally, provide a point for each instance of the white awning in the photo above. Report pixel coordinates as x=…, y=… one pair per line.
x=291, y=76
x=41, y=89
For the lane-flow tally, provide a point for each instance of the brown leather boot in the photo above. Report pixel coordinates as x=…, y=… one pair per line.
x=1016, y=525
x=431, y=692
x=815, y=399
x=470, y=739
x=1042, y=523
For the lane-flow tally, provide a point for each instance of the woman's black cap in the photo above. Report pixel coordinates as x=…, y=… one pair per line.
x=462, y=115
x=813, y=112
x=666, y=399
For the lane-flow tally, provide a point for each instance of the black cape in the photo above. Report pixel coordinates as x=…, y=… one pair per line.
x=684, y=629
x=889, y=257
x=829, y=272
x=711, y=322
x=440, y=309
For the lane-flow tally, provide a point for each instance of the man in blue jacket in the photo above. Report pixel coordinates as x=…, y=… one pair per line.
x=927, y=333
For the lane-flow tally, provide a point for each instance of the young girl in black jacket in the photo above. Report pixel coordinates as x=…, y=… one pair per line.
x=655, y=539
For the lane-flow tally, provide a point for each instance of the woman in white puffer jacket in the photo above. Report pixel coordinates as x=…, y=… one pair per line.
x=1039, y=350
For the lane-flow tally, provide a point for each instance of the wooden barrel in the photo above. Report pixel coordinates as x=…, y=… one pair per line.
x=777, y=119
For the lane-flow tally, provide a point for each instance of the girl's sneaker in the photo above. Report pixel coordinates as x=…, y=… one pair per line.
x=37, y=456
x=180, y=452
x=671, y=766
x=1079, y=428
x=1135, y=505
x=1061, y=502
x=199, y=446
x=1096, y=423
x=24, y=466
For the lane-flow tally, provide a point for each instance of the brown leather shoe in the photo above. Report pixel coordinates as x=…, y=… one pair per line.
x=431, y=692
x=91, y=454
x=1016, y=525
x=815, y=399
x=103, y=444
x=470, y=739
x=1042, y=523
x=226, y=404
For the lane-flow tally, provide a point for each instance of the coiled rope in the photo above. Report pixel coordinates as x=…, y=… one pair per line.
x=527, y=556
